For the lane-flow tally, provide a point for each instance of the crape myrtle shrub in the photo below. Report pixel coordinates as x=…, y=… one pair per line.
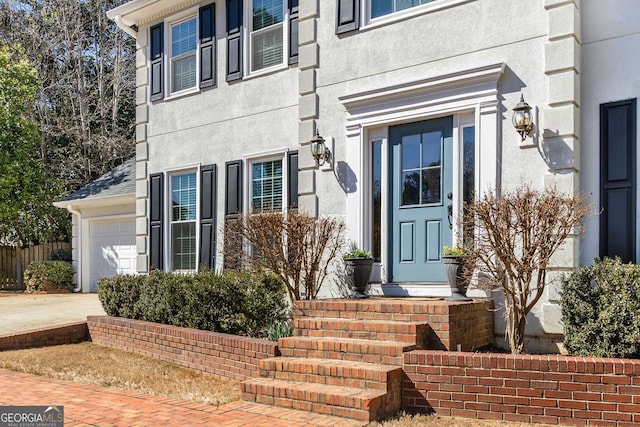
x=240, y=303
x=601, y=310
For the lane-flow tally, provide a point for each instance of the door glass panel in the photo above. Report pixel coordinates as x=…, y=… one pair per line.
x=410, y=152
x=410, y=188
x=431, y=149
x=421, y=168
x=468, y=178
x=431, y=185
x=376, y=187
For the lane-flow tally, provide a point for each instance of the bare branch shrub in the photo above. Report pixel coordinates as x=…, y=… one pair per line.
x=296, y=247
x=516, y=234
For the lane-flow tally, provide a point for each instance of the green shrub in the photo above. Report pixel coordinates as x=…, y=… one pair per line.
x=245, y=303
x=61, y=255
x=601, y=310
x=47, y=276
x=119, y=295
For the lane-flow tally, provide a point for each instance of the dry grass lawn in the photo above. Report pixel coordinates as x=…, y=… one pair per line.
x=108, y=367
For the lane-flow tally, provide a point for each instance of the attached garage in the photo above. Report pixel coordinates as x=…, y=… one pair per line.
x=104, y=227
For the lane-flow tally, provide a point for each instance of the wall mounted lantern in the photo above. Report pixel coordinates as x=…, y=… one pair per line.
x=319, y=150
x=522, y=119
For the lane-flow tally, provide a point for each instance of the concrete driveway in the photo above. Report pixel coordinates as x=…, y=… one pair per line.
x=24, y=312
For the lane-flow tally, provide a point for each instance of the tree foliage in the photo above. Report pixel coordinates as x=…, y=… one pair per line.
x=26, y=213
x=86, y=69
x=516, y=235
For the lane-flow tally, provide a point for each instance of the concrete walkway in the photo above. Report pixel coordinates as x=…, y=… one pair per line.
x=87, y=405
x=25, y=312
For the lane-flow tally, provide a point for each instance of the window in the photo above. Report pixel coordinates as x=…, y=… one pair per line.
x=421, y=168
x=385, y=7
x=468, y=177
x=376, y=198
x=266, y=185
x=183, y=55
x=267, y=34
x=183, y=221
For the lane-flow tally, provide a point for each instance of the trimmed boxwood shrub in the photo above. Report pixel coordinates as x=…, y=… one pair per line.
x=49, y=276
x=245, y=303
x=601, y=310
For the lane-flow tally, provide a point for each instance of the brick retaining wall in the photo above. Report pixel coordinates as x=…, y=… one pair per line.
x=223, y=355
x=553, y=389
x=56, y=335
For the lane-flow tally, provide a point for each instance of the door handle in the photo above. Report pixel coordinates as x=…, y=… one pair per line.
x=450, y=214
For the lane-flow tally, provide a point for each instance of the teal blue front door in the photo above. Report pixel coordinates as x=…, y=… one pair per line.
x=421, y=191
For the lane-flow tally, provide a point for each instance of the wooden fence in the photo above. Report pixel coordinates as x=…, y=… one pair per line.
x=9, y=262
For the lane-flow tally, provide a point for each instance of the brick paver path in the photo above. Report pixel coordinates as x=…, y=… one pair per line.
x=88, y=405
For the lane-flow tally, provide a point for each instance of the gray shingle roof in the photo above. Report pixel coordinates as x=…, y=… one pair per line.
x=117, y=182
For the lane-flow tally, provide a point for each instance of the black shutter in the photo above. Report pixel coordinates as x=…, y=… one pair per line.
x=157, y=61
x=348, y=16
x=156, y=215
x=293, y=31
x=234, y=40
x=207, y=46
x=233, y=189
x=208, y=190
x=292, y=185
x=618, y=180
x=233, y=210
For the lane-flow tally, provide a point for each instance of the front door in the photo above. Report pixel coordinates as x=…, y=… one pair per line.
x=421, y=191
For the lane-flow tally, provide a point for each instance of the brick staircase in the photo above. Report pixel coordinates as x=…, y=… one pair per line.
x=345, y=359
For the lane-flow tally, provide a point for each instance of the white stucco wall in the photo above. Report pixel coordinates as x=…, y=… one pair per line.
x=610, y=72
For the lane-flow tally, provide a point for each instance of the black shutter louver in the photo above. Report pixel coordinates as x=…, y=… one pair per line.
x=292, y=185
x=208, y=191
x=207, y=46
x=234, y=40
x=348, y=16
x=156, y=216
x=293, y=31
x=157, y=61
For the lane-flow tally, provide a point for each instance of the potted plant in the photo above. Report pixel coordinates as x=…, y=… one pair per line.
x=358, y=264
x=454, y=260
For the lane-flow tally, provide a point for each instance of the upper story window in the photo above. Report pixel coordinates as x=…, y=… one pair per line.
x=267, y=34
x=353, y=14
x=183, y=55
x=261, y=35
x=384, y=7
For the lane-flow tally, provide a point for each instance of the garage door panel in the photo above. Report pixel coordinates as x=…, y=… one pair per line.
x=112, y=249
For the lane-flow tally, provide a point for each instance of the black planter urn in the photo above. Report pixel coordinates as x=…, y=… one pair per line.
x=358, y=272
x=454, y=269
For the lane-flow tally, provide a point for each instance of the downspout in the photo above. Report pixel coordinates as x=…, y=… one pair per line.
x=78, y=287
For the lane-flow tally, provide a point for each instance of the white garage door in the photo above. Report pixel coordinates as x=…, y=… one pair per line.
x=112, y=249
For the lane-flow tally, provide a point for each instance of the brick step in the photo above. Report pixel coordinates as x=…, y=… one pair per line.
x=287, y=415
x=409, y=332
x=410, y=310
x=333, y=372
x=347, y=402
x=356, y=350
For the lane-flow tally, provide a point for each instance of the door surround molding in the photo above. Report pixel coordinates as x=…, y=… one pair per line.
x=472, y=91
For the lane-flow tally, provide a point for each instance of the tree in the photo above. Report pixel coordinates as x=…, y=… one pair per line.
x=298, y=248
x=27, y=215
x=516, y=233
x=86, y=68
